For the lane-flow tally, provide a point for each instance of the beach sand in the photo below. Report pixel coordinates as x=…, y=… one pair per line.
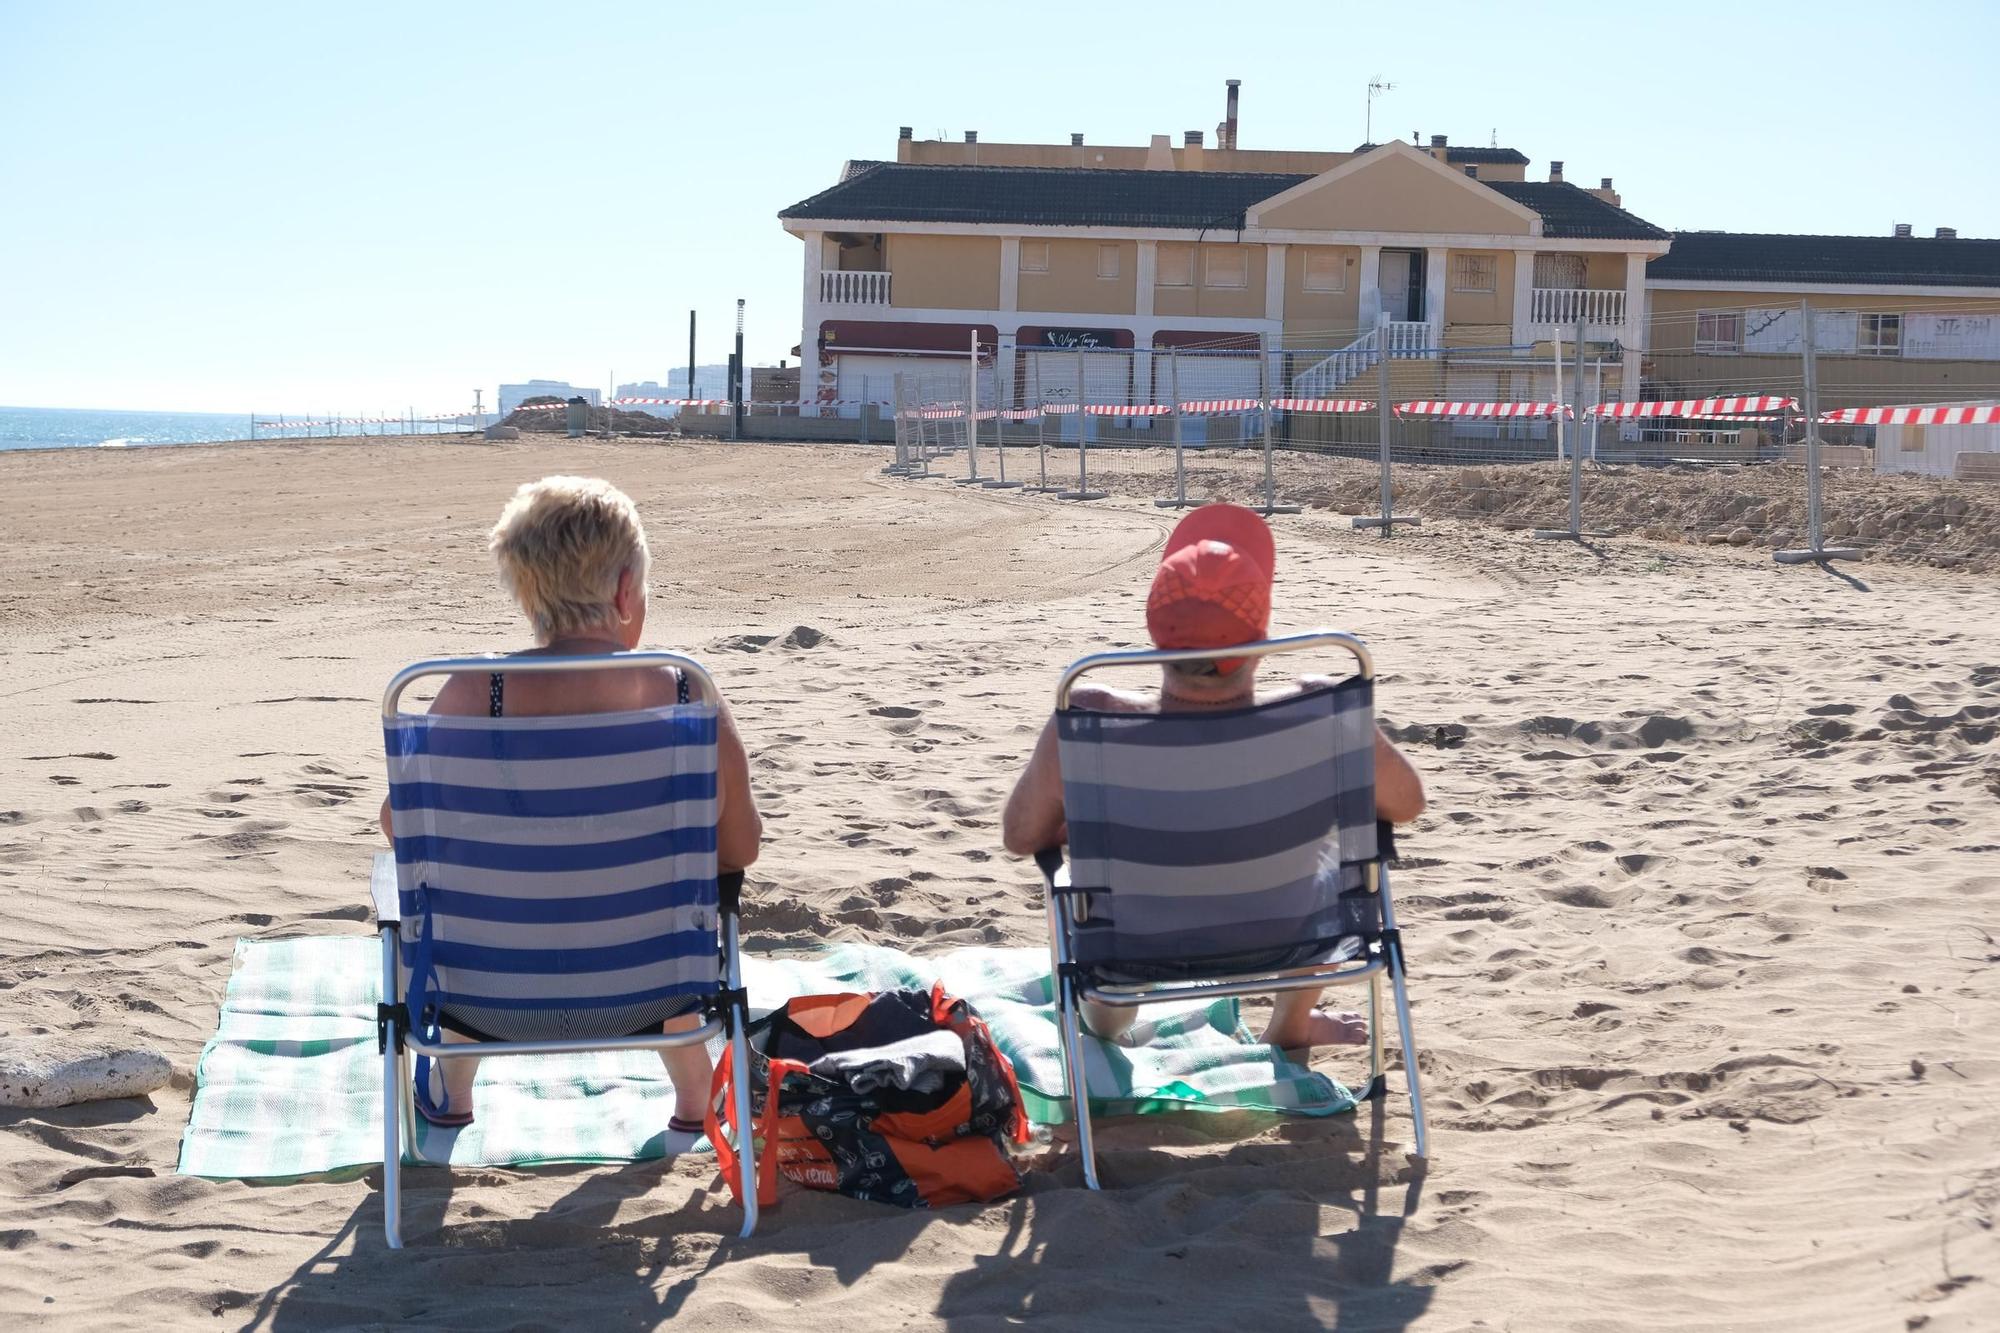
x=1702, y=919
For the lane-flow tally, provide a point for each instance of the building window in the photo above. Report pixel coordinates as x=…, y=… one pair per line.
x=1718, y=331
x=1326, y=271
x=1227, y=268
x=1107, y=261
x=1176, y=266
x=1881, y=335
x=1472, y=273
x=1562, y=272
x=1034, y=256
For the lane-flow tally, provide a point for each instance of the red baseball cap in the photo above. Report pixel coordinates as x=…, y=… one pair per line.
x=1213, y=586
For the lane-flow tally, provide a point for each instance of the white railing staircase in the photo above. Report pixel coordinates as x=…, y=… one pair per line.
x=1327, y=377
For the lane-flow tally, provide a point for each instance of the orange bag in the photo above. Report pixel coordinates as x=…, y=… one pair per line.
x=854, y=1093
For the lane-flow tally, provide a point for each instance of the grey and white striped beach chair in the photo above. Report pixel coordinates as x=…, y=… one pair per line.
x=554, y=888
x=1221, y=854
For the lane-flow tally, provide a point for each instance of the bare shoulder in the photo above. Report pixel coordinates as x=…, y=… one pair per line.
x=1104, y=699
x=462, y=695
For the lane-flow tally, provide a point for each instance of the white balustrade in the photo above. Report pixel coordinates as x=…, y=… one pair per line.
x=1563, y=306
x=854, y=287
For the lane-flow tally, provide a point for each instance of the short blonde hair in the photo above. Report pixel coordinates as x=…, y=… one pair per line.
x=561, y=544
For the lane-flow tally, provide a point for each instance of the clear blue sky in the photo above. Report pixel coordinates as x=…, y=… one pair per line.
x=361, y=206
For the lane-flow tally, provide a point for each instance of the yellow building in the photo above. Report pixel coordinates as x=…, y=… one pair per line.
x=1446, y=259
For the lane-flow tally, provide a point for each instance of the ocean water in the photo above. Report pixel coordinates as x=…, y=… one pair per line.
x=72, y=428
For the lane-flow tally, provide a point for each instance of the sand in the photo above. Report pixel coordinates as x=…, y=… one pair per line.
x=1702, y=917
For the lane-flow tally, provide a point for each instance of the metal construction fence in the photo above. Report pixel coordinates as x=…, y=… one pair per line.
x=1738, y=427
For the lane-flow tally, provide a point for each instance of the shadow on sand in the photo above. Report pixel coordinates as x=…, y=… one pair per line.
x=1173, y=1238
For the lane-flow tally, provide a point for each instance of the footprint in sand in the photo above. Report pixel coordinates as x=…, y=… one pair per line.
x=898, y=720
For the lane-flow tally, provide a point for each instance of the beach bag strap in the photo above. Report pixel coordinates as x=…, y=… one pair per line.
x=724, y=1133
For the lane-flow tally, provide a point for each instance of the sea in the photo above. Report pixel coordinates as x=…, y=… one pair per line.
x=87, y=428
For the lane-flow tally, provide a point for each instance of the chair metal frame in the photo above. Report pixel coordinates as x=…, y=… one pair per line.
x=1385, y=956
x=728, y=1010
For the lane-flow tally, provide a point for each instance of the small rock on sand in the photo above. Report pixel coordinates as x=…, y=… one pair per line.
x=52, y=1071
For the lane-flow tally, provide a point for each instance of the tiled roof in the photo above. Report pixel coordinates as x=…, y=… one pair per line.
x=1043, y=196
x=1570, y=211
x=1090, y=197
x=1916, y=261
x=1466, y=156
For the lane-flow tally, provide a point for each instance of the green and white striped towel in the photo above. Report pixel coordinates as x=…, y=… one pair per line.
x=290, y=1085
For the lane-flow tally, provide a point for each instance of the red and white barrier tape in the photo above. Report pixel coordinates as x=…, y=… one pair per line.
x=1696, y=407
x=1981, y=414
x=1434, y=408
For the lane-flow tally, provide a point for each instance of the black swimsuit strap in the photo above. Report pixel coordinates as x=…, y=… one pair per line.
x=496, y=688
x=681, y=690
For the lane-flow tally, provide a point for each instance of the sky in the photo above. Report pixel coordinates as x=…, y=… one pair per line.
x=362, y=207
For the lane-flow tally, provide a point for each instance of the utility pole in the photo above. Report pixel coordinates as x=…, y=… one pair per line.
x=478, y=410
x=690, y=392
x=736, y=380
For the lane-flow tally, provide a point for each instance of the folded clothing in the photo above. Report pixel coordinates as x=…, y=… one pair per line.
x=921, y=1064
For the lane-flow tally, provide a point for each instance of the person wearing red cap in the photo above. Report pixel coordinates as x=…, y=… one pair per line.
x=1212, y=590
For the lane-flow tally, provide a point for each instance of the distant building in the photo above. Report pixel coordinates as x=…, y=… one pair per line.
x=774, y=384
x=513, y=395
x=709, y=382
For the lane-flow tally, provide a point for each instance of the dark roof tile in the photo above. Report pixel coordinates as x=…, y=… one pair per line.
x=1916, y=261
x=1570, y=211
x=1093, y=197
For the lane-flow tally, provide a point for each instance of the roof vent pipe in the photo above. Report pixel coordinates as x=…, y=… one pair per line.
x=972, y=136
x=1606, y=184
x=1437, y=141
x=1076, y=141
x=1472, y=172
x=905, y=133
x=1229, y=118
x=1903, y=229
x=1947, y=233
x=1191, y=139
x=1555, y=172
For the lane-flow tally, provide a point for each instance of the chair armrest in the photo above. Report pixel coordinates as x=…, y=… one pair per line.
x=1385, y=841
x=1054, y=873
x=729, y=892
x=382, y=888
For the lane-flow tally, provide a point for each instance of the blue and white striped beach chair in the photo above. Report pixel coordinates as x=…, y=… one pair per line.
x=554, y=887
x=1219, y=854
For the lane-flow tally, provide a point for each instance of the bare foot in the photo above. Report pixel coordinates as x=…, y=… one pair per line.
x=1322, y=1028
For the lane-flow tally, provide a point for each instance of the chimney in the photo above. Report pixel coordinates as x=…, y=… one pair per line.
x=1606, y=193
x=1438, y=148
x=972, y=136
x=1192, y=139
x=1229, y=117
x=1604, y=184
x=1472, y=172
x=1160, y=153
x=1192, y=151
x=1555, y=172
x=1437, y=140
x=1076, y=141
x=1947, y=233
x=905, y=133
x=1903, y=230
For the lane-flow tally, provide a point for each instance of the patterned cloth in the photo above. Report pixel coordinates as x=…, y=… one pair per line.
x=290, y=1085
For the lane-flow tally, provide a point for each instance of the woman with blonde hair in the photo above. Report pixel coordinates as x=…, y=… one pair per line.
x=573, y=554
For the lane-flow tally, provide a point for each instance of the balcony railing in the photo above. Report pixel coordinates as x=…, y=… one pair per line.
x=854, y=287
x=1566, y=305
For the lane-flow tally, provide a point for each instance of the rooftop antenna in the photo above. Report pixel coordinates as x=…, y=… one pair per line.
x=1375, y=85
x=1493, y=137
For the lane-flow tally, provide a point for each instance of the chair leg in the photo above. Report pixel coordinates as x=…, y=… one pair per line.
x=1410, y=1059
x=746, y=1134
x=392, y=1100
x=1376, y=1082
x=1069, y=1017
